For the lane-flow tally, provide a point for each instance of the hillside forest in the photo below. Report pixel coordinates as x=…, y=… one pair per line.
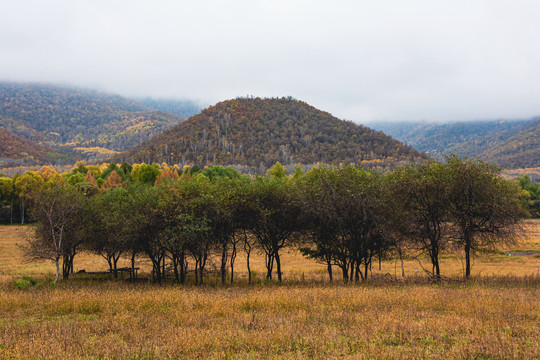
x=77, y=122
x=345, y=217
x=257, y=132
x=45, y=124
x=510, y=144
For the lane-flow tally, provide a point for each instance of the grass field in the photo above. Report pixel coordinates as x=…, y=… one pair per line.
x=494, y=316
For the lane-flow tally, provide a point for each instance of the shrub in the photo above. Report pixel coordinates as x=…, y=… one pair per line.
x=22, y=284
x=31, y=280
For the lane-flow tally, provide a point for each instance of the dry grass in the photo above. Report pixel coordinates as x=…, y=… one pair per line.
x=415, y=321
x=496, y=316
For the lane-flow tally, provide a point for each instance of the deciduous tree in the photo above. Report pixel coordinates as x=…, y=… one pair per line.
x=57, y=208
x=423, y=193
x=485, y=208
x=274, y=212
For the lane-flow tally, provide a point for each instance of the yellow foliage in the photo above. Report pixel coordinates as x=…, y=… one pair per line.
x=47, y=173
x=96, y=150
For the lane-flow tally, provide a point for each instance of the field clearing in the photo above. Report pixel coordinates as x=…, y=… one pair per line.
x=494, y=316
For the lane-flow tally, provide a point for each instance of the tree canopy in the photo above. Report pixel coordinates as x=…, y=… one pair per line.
x=345, y=217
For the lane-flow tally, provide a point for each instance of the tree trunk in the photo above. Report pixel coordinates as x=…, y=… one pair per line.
x=57, y=262
x=156, y=262
x=175, y=262
x=71, y=260
x=133, y=266
x=233, y=258
x=402, y=267
x=223, y=263
x=329, y=268
x=66, y=267
x=278, y=266
x=435, y=259
x=201, y=273
x=183, y=267
x=202, y=264
x=248, y=267
x=345, y=272
x=366, y=269
x=196, y=272
x=467, y=259
x=269, y=265
x=163, y=271
x=115, y=265
x=247, y=248
x=108, y=257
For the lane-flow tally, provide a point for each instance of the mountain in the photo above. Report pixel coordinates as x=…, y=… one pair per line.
x=509, y=143
x=15, y=151
x=519, y=151
x=257, y=132
x=183, y=108
x=89, y=122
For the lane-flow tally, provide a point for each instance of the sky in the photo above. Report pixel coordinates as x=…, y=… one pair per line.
x=365, y=61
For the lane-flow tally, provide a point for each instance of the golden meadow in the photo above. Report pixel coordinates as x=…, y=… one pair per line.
x=495, y=315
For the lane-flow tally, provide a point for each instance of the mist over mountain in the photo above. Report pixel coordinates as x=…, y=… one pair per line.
x=183, y=108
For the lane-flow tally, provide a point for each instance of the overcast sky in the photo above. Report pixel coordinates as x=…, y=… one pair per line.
x=360, y=60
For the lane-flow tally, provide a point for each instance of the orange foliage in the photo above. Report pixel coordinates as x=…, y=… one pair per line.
x=114, y=180
x=167, y=174
x=90, y=179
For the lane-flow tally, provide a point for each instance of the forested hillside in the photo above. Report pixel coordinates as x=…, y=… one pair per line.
x=258, y=132
x=519, y=151
x=90, y=122
x=509, y=143
x=15, y=150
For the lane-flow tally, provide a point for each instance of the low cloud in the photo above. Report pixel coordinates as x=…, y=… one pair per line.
x=392, y=60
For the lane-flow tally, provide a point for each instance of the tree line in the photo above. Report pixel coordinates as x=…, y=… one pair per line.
x=345, y=217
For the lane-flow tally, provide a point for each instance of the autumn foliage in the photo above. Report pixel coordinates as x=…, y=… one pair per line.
x=256, y=133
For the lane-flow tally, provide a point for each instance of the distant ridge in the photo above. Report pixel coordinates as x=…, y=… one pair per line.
x=257, y=132
x=521, y=150
x=509, y=143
